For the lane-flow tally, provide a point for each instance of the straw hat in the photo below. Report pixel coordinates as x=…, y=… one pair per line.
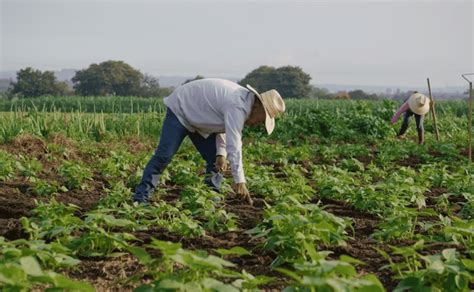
x=419, y=103
x=273, y=104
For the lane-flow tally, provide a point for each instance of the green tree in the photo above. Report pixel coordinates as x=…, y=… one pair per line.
x=262, y=78
x=360, y=94
x=108, y=78
x=321, y=93
x=150, y=87
x=290, y=81
x=31, y=83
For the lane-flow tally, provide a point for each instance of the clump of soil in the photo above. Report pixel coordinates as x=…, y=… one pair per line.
x=248, y=216
x=412, y=161
x=27, y=144
x=365, y=159
x=107, y=274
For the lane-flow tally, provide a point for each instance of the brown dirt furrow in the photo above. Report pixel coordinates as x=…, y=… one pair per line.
x=412, y=161
x=108, y=274
x=248, y=216
x=11, y=229
x=361, y=246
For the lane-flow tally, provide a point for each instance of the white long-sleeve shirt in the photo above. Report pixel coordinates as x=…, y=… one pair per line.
x=219, y=106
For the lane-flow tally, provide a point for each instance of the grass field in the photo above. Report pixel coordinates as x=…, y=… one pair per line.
x=339, y=203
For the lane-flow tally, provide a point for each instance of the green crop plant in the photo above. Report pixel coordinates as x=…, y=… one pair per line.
x=97, y=237
x=412, y=260
x=467, y=211
x=401, y=224
x=28, y=167
x=52, y=221
x=117, y=195
x=203, y=205
x=117, y=166
x=458, y=230
x=50, y=255
x=438, y=272
x=288, y=227
x=7, y=166
x=25, y=274
x=45, y=188
x=75, y=175
x=317, y=273
x=184, y=270
x=95, y=241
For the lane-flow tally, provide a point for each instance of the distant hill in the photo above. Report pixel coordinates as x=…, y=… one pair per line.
x=389, y=89
x=4, y=84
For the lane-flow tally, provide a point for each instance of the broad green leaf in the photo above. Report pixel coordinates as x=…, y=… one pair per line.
x=237, y=250
x=65, y=283
x=468, y=263
x=215, y=285
x=168, y=248
x=375, y=286
x=351, y=260
x=407, y=284
x=437, y=267
x=171, y=284
x=13, y=274
x=30, y=266
x=142, y=255
x=289, y=273
x=449, y=254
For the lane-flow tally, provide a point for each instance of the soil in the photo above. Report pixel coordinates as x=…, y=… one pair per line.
x=412, y=161
x=258, y=263
x=365, y=160
x=16, y=196
x=465, y=152
x=360, y=246
x=107, y=274
x=455, y=202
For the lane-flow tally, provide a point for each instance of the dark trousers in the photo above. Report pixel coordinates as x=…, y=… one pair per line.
x=406, y=120
x=172, y=135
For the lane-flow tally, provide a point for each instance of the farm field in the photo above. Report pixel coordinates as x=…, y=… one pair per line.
x=340, y=204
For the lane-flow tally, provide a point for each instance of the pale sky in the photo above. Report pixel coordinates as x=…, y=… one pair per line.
x=338, y=42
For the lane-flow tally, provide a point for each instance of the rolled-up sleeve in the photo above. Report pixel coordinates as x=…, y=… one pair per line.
x=234, y=123
x=221, y=144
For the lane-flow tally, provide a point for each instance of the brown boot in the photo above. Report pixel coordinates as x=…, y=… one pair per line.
x=421, y=137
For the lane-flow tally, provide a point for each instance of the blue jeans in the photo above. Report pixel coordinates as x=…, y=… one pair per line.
x=406, y=120
x=172, y=135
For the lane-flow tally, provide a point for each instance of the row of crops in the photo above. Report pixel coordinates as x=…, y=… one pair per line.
x=131, y=104
x=339, y=204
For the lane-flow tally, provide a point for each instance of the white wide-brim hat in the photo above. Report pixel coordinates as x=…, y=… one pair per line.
x=419, y=103
x=273, y=104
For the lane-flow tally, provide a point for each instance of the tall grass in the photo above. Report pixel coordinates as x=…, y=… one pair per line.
x=89, y=104
x=330, y=120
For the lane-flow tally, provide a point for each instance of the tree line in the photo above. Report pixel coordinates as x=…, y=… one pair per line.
x=117, y=78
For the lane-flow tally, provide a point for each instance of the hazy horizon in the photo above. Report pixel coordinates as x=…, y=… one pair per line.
x=396, y=43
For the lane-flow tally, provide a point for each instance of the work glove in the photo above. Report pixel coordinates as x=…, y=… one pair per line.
x=241, y=191
x=221, y=163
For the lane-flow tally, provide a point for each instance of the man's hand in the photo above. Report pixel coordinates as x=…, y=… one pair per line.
x=241, y=191
x=221, y=163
